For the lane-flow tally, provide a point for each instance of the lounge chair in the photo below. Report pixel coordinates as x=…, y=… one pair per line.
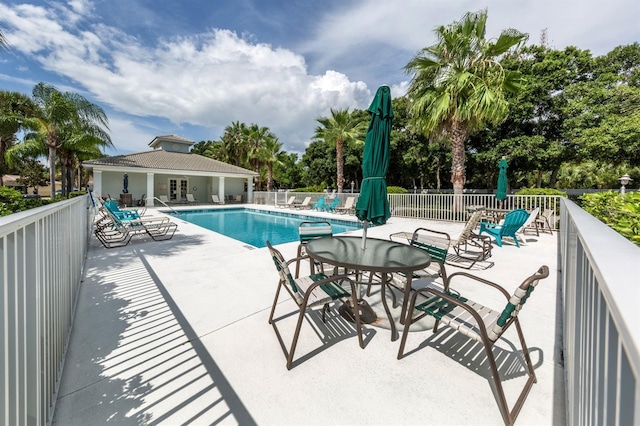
x=163, y=199
x=126, y=214
x=215, y=199
x=289, y=202
x=349, y=206
x=114, y=232
x=508, y=228
x=479, y=323
x=469, y=247
x=307, y=291
x=191, y=199
x=529, y=223
x=331, y=208
x=544, y=221
x=306, y=204
x=319, y=205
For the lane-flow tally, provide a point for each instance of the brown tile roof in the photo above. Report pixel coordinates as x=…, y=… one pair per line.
x=160, y=159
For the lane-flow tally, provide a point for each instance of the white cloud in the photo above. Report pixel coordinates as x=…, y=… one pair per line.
x=210, y=80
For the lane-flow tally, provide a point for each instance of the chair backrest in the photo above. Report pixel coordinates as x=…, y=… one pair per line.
x=282, y=267
x=111, y=205
x=335, y=203
x=530, y=219
x=190, y=198
x=163, y=198
x=320, y=202
x=435, y=243
x=214, y=198
x=306, y=201
x=291, y=199
x=513, y=221
x=516, y=302
x=311, y=230
x=142, y=201
x=471, y=224
x=349, y=202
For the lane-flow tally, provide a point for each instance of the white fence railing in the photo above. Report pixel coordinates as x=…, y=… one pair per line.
x=433, y=206
x=601, y=321
x=42, y=255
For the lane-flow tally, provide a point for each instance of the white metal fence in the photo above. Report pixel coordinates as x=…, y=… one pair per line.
x=434, y=206
x=42, y=254
x=601, y=321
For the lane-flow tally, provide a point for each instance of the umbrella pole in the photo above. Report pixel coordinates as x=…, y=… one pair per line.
x=364, y=234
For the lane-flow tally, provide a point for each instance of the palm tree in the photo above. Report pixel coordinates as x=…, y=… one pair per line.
x=341, y=127
x=271, y=153
x=458, y=85
x=15, y=108
x=64, y=115
x=233, y=144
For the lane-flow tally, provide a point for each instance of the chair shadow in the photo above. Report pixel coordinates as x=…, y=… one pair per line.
x=333, y=331
x=471, y=354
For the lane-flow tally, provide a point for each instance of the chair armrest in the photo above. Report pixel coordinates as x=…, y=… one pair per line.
x=478, y=279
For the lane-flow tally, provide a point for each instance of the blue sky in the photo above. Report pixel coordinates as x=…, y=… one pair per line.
x=192, y=67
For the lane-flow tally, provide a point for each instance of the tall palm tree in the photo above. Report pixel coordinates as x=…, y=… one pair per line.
x=341, y=127
x=458, y=85
x=62, y=115
x=15, y=110
x=270, y=155
x=233, y=142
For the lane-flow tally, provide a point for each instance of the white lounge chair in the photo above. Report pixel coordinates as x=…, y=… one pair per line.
x=163, y=198
x=215, y=199
x=289, y=202
x=191, y=199
x=348, y=206
x=306, y=204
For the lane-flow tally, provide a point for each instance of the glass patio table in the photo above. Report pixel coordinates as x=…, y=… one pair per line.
x=379, y=256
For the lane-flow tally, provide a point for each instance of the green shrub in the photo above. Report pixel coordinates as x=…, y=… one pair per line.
x=541, y=191
x=11, y=201
x=396, y=190
x=312, y=188
x=620, y=211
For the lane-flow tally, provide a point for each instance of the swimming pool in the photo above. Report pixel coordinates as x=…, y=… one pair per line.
x=255, y=227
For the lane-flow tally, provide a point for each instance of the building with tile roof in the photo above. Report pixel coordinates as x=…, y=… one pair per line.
x=169, y=170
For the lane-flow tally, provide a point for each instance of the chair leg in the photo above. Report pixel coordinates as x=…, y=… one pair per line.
x=509, y=416
x=275, y=302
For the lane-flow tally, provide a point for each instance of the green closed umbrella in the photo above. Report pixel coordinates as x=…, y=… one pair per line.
x=373, y=205
x=501, y=192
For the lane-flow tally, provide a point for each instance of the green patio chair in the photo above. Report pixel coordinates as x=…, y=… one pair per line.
x=319, y=205
x=315, y=289
x=331, y=208
x=478, y=323
x=308, y=231
x=513, y=221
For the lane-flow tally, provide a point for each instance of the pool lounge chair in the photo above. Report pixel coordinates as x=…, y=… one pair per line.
x=481, y=324
x=349, y=206
x=306, y=204
x=163, y=199
x=316, y=289
x=191, y=199
x=215, y=199
x=288, y=203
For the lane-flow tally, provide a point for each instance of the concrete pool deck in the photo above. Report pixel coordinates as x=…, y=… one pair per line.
x=176, y=332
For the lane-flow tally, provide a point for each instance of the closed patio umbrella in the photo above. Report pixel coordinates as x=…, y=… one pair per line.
x=125, y=184
x=501, y=192
x=373, y=205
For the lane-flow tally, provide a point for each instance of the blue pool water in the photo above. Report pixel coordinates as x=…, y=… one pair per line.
x=255, y=227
